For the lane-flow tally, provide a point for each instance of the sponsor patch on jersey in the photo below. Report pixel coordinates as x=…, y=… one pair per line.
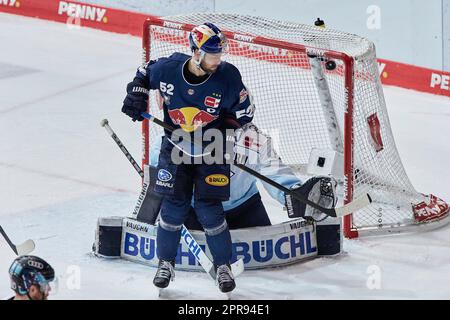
x=164, y=175
x=217, y=180
x=243, y=95
x=212, y=102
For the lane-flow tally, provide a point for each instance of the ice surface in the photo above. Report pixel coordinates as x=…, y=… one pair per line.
x=59, y=171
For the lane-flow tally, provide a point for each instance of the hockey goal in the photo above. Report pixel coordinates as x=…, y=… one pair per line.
x=314, y=89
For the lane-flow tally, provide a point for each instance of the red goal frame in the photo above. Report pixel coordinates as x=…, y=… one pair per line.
x=347, y=60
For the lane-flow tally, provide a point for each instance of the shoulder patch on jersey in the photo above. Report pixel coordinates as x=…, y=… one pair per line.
x=243, y=95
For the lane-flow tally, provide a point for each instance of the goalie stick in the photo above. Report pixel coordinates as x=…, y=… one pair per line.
x=346, y=209
x=237, y=267
x=21, y=249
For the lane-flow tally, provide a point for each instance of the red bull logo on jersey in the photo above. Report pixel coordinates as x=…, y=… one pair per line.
x=190, y=118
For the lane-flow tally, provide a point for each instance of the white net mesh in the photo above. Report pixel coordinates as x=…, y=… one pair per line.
x=289, y=106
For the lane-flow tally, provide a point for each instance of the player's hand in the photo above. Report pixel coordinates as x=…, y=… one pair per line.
x=136, y=100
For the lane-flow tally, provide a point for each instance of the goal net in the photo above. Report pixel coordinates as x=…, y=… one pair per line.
x=314, y=89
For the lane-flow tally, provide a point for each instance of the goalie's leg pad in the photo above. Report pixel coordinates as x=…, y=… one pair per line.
x=329, y=239
x=149, y=203
x=257, y=246
x=108, y=237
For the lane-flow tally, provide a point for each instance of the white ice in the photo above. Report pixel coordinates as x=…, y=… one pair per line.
x=60, y=171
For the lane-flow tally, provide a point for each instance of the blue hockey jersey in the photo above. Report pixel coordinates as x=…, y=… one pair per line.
x=190, y=106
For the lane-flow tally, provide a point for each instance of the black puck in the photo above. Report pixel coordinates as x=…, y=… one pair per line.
x=330, y=65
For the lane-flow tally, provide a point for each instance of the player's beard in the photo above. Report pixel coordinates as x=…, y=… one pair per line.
x=207, y=69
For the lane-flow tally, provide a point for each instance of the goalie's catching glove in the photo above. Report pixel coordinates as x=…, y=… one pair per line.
x=320, y=190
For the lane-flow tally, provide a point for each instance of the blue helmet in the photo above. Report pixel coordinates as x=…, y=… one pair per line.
x=207, y=38
x=26, y=271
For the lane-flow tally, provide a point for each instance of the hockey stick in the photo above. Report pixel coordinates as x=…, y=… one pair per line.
x=346, y=209
x=237, y=267
x=21, y=249
x=104, y=123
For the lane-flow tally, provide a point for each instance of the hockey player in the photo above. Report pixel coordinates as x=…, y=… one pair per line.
x=30, y=278
x=199, y=91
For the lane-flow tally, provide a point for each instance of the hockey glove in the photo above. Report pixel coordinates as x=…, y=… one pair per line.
x=136, y=100
x=320, y=190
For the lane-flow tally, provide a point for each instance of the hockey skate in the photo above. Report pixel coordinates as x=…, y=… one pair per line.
x=164, y=274
x=225, y=279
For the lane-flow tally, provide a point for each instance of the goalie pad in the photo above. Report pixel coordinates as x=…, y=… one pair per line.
x=260, y=247
x=320, y=190
x=149, y=202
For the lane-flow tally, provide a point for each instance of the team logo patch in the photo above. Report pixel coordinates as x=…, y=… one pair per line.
x=190, y=118
x=217, y=180
x=212, y=102
x=243, y=95
x=164, y=175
